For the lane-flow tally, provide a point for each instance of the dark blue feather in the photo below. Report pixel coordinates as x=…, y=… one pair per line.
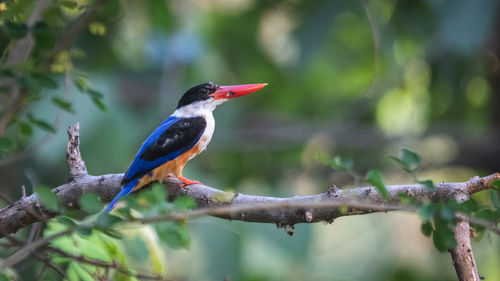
x=172, y=138
x=126, y=190
x=140, y=166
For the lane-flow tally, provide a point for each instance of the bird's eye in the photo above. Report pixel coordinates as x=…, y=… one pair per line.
x=204, y=91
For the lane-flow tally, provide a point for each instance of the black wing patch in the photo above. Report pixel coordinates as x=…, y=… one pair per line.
x=178, y=138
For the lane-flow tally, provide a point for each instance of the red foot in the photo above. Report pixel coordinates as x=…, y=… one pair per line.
x=187, y=181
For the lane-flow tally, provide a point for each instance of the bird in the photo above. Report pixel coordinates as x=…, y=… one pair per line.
x=181, y=137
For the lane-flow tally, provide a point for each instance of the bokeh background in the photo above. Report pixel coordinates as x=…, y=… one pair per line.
x=358, y=79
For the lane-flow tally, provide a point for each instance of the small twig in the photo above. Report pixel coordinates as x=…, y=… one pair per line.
x=42, y=271
x=99, y=263
x=76, y=166
x=48, y=263
x=35, y=229
x=25, y=251
x=14, y=242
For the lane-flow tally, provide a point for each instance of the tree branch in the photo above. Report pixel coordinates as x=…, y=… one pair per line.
x=462, y=256
x=284, y=212
x=28, y=210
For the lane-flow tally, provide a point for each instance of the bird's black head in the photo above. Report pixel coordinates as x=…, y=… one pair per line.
x=198, y=93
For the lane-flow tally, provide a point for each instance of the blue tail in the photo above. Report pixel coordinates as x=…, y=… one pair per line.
x=126, y=190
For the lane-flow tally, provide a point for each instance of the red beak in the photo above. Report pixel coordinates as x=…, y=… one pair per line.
x=230, y=92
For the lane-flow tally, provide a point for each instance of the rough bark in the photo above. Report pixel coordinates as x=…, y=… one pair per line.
x=462, y=255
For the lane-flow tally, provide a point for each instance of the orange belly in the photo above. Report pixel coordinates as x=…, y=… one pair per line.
x=173, y=166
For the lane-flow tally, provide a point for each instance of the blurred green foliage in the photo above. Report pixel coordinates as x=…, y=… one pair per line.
x=355, y=79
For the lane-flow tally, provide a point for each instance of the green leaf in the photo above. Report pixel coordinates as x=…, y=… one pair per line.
x=443, y=241
x=5, y=143
x=106, y=220
x=159, y=193
x=41, y=124
x=443, y=236
x=66, y=220
x=45, y=36
x=52, y=16
x=96, y=98
x=71, y=273
x=69, y=4
x=426, y=212
x=496, y=184
x=112, y=233
x=447, y=213
x=468, y=206
x=97, y=28
x=175, y=235
x=426, y=228
x=336, y=162
x=428, y=184
x=409, y=160
x=15, y=8
x=95, y=94
x=44, y=125
x=64, y=105
x=184, y=203
x=148, y=198
x=90, y=203
x=486, y=214
x=47, y=198
x=410, y=157
x=136, y=248
x=3, y=277
x=44, y=80
x=81, y=84
x=28, y=82
x=375, y=179
x=494, y=199
x=82, y=273
x=84, y=231
x=92, y=248
x=98, y=102
x=25, y=129
x=15, y=31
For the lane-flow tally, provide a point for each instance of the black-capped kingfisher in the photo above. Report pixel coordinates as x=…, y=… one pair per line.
x=182, y=136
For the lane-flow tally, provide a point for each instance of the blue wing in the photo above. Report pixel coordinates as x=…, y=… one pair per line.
x=172, y=138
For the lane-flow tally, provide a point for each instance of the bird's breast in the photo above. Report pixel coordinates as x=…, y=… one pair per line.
x=206, y=137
